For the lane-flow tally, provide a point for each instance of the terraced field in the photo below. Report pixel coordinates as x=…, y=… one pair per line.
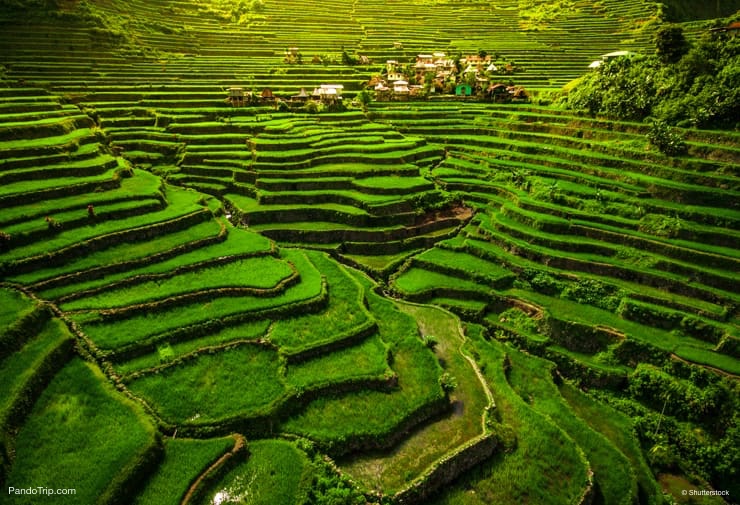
x=439, y=301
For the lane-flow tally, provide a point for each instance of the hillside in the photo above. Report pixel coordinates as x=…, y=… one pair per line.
x=219, y=286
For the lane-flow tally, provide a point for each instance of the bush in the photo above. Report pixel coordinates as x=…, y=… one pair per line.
x=666, y=139
x=670, y=44
x=447, y=382
x=660, y=225
x=313, y=107
x=699, y=89
x=595, y=293
x=431, y=341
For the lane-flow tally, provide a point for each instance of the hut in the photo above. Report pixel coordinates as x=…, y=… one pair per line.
x=328, y=93
x=267, y=95
x=463, y=90
x=382, y=92
x=236, y=97
x=301, y=97
x=401, y=90
x=498, y=93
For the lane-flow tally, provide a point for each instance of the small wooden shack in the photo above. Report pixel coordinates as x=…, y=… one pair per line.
x=267, y=95
x=463, y=90
x=236, y=96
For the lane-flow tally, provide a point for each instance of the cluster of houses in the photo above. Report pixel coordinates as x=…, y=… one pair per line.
x=328, y=94
x=440, y=74
x=433, y=73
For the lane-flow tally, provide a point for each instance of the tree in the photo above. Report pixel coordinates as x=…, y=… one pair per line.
x=666, y=139
x=670, y=44
x=364, y=98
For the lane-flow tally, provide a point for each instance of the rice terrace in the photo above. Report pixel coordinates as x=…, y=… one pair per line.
x=350, y=252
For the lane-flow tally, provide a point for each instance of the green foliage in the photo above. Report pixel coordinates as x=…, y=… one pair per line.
x=536, y=15
x=447, y=382
x=348, y=59
x=430, y=341
x=518, y=319
x=184, y=460
x=81, y=432
x=327, y=486
x=678, y=11
x=666, y=139
x=681, y=398
x=542, y=282
x=275, y=473
x=433, y=200
x=214, y=386
x=620, y=88
x=700, y=89
x=545, y=466
x=531, y=378
x=258, y=273
x=236, y=11
x=364, y=97
x=660, y=225
x=343, y=314
x=670, y=44
x=593, y=292
x=314, y=107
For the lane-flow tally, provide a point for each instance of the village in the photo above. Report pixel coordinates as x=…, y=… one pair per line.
x=433, y=75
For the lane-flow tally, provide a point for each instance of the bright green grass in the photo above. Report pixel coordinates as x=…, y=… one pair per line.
x=432, y=441
x=471, y=265
x=545, y=467
x=708, y=357
x=18, y=368
x=381, y=262
x=496, y=253
x=260, y=273
x=58, y=140
x=586, y=314
x=619, y=429
x=238, y=241
x=12, y=304
x=249, y=205
x=394, y=182
x=31, y=186
x=214, y=386
x=365, y=360
x=275, y=473
x=531, y=378
x=330, y=419
x=184, y=460
x=465, y=304
x=124, y=252
x=81, y=434
x=180, y=203
x=598, y=361
x=142, y=184
x=38, y=225
x=246, y=331
x=418, y=280
x=141, y=325
x=343, y=313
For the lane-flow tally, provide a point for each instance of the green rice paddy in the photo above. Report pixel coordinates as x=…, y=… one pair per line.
x=444, y=300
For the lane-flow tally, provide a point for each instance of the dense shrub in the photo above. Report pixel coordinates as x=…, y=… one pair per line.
x=670, y=44
x=660, y=225
x=699, y=89
x=676, y=397
x=592, y=292
x=666, y=139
